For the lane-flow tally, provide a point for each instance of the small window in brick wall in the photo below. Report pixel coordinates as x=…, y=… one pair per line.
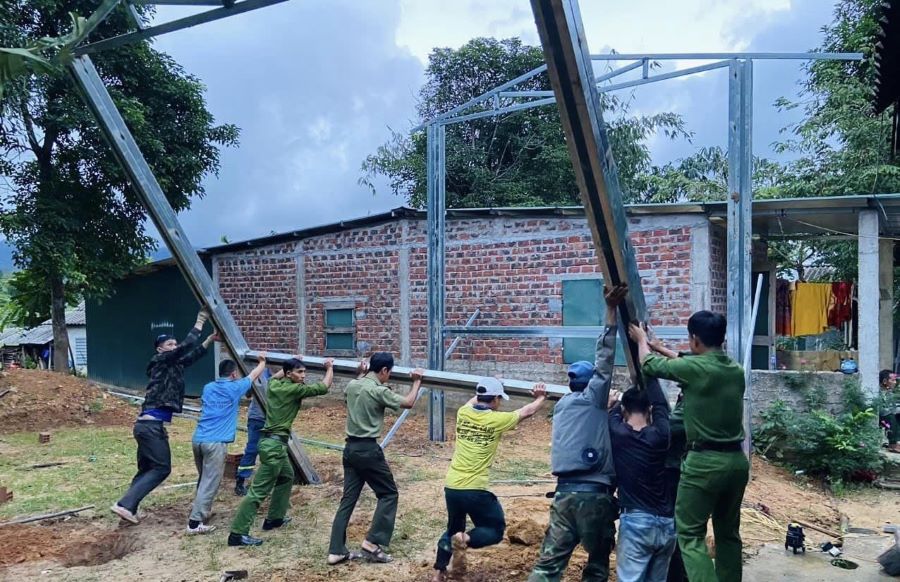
x=583, y=305
x=340, y=331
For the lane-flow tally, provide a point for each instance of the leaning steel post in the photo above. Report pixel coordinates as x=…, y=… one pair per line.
x=148, y=189
x=572, y=78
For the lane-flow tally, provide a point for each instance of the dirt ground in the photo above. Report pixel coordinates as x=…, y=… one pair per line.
x=41, y=401
x=96, y=546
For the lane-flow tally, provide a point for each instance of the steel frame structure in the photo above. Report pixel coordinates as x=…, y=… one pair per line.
x=576, y=90
x=129, y=156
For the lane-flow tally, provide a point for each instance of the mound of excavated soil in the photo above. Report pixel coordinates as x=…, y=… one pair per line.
x=525, y=532
x=72, y=546
x=38, y=400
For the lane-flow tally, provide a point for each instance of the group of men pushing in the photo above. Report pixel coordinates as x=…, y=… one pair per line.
x=622, y=456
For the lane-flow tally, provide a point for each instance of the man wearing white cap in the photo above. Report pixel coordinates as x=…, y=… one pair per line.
x=479, y=426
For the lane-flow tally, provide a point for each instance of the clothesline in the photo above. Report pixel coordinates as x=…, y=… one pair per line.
x=803, y=308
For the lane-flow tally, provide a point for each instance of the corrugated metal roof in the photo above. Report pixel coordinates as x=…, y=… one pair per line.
x=43, y=333
x=11, y=334
x=74, y=316
x=37, y=336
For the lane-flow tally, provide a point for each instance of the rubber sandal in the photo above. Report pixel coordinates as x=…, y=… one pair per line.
x=377, y=556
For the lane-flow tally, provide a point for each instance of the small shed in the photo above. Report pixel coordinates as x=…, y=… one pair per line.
x=20, y=346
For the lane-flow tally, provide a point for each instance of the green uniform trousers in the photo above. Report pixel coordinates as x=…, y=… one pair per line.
x=712, y=485
x=578, y=517
x=275, y=476
x=364, y=464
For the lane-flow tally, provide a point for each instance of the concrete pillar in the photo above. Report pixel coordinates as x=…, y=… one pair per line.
x=701, y=268
x=869, y=276
x=886, y=307
x=301, y=303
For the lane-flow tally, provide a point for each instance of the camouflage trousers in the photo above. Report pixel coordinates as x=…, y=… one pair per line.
x=578, y=517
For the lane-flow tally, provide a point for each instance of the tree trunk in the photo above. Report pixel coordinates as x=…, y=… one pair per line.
x=58, y=319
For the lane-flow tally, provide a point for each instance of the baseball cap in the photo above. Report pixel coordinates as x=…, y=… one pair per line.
x=581, y=372
x=488, y=386
x=161, y=339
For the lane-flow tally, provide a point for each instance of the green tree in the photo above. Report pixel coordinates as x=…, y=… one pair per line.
x=520, y=159
x=843, y=148
x=702, y=177
x=70, y=212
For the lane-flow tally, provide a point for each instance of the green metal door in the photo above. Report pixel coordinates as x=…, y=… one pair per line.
x=583, y=305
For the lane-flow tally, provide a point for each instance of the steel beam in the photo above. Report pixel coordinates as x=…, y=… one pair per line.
x=433, y=379
x=399, y=422
x=740, y=201
x=600, y=89
x=484, y=97
x=572, y=77
x=179, y=24
x=748, y=386
x=719, y=56
x=135, y=17
x=632, y=83
x=437, y=203
x=181, y=2
x=587, y=331
x=148, y=189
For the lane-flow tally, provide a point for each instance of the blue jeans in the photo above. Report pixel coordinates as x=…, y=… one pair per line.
x=645, y=546
x=248, y=461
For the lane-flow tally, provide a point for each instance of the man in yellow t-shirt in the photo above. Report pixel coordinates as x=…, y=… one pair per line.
x=479, y=426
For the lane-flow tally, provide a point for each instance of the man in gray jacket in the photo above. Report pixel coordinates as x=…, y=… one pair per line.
x=584, y=510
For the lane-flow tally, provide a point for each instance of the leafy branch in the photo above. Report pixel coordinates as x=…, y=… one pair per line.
x=48, y=55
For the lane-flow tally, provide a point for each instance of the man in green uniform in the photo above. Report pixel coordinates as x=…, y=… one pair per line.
x=715, y=472
x=677, y=444
x=364, y=462
x=275, y=474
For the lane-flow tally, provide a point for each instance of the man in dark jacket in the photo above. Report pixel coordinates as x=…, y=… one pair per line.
x=164, y=397
x=584, y=510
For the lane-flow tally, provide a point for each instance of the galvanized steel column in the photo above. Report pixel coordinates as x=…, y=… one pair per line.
x=437, y=182
x=572, y=77
x=740, y=201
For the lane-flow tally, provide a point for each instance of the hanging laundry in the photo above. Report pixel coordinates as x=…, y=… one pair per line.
x=840, y=311
x=783, y=321
x=810, y=308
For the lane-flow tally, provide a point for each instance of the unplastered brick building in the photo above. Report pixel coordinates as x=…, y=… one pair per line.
x=360, y=286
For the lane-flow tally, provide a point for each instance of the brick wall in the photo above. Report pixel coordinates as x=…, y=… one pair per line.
x=510, y=268
x=260, y=288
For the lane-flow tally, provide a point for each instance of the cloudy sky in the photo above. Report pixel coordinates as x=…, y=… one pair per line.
x=316, y=85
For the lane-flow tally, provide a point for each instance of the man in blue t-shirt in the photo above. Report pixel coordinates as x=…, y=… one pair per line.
x=215, y=429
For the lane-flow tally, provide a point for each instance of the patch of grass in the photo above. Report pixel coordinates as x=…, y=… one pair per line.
x=415, y=529
x=520, y=469
x=96, y=406
x=99, y=465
